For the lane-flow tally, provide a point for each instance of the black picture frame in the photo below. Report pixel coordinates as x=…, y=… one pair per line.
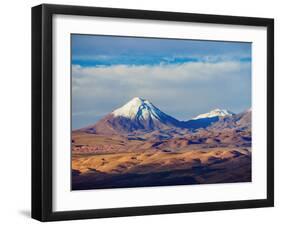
x=42, y=106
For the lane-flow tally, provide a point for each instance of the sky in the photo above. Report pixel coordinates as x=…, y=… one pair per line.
x=183, y=78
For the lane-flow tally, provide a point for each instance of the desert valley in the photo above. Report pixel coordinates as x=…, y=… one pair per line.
x=138, y=145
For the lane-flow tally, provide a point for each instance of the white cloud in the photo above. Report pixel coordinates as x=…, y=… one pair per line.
x=132, y=74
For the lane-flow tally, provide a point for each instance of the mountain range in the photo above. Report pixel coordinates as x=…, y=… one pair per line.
x=140, y=115
x=139, y=145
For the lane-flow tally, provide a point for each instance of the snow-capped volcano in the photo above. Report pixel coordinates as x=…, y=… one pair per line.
x=242, y=120
x=139, y=108
x=214, y=113
x=137, y=114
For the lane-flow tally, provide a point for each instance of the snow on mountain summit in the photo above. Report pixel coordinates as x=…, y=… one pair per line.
x=136, y=115
x=214, y=113
x=138, y=108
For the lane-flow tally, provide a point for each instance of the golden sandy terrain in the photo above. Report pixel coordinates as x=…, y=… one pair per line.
x=100, y=161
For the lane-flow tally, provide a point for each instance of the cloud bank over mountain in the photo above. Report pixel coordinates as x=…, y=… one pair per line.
x=194, y=76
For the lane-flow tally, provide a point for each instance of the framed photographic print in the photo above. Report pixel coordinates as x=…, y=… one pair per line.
x=145, y=112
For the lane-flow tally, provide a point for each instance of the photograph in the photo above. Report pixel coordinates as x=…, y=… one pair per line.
x=149, y=111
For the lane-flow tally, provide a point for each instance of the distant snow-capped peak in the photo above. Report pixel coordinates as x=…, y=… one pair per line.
x=138, y=108
x=214, y=113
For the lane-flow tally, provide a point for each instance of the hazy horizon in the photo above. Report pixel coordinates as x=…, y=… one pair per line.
x=183, y=78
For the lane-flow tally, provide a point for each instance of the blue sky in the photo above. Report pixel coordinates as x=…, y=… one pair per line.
x=181, y=77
